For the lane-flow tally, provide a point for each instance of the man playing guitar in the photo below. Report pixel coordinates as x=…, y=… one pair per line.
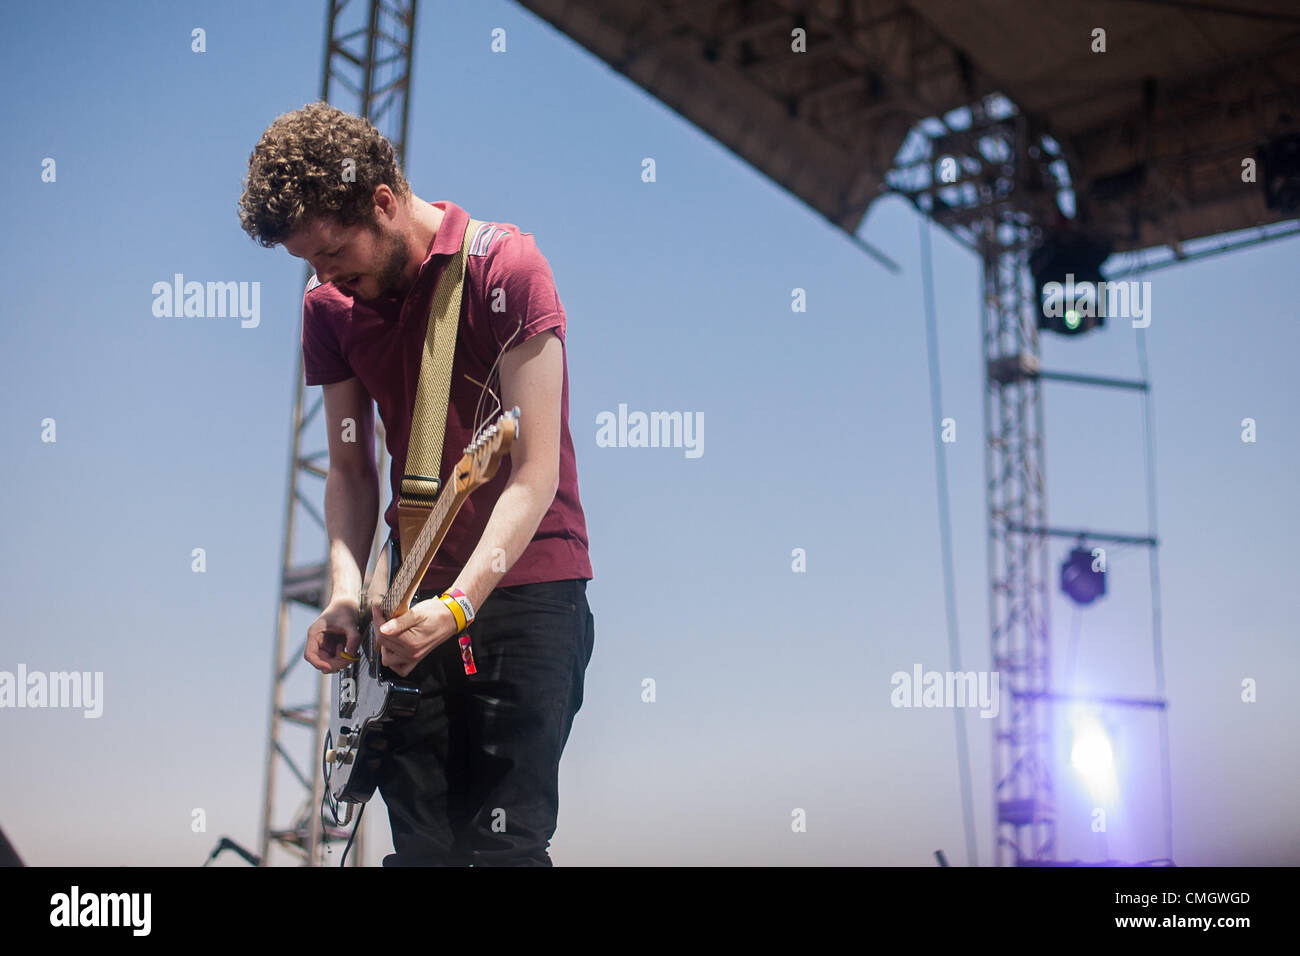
x=472, y=778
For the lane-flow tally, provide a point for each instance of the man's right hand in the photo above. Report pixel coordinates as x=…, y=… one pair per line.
x=335, y=630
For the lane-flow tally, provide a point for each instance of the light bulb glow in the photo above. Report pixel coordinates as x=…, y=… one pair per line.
x=1091, y=754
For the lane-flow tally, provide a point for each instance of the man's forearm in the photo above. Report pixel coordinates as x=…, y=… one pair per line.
x=351, y=510
x=513, y=522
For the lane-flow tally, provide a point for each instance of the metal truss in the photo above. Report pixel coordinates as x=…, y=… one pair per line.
x=367, y=71
x=992, y=181
x=1019, y=626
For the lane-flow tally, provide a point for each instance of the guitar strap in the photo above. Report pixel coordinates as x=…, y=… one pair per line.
x=421, y=482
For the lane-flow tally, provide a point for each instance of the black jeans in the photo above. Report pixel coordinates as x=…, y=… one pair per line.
x=473, y=776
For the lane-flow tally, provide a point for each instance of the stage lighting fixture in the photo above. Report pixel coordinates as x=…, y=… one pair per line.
x=1093, y=758
x=1091, y=754
x=1066, y=268
x=1079, y=581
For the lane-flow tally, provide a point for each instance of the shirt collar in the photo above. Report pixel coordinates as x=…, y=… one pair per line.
x=451, y=231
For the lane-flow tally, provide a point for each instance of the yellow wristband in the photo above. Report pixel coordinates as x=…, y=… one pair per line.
x=457, y=611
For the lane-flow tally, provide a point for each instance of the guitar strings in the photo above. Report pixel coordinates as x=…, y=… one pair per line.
x=486, y=387
x=483, y=385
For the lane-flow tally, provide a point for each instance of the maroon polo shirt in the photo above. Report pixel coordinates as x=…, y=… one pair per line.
x=380, y=341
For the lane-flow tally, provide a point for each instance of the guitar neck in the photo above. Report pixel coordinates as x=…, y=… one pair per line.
x=475, y=469
x=417, y=558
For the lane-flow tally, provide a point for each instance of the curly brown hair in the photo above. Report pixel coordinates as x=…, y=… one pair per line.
x=296, y=173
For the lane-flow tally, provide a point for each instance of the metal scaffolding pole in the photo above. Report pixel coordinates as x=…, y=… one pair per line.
x=1024, y=804
x=367, y=71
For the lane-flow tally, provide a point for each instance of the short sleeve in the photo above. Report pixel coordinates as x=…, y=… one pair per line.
x=322, y=360
x=519, y=285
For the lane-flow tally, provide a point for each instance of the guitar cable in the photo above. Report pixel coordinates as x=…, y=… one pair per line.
x=327, y=800
x=355, y=827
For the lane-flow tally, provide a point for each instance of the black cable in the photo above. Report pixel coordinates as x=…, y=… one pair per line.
x=1149, y=433
x=327, y=799
x=355, y=827
x=945, y=537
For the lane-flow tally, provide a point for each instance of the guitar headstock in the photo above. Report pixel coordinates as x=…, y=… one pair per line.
x=483, y=455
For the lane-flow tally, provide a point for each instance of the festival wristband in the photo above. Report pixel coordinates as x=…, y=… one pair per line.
x=467, y=654
x=456, y=611
x=458, y=601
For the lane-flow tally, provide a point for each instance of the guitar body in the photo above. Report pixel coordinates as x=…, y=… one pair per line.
x=367, y=699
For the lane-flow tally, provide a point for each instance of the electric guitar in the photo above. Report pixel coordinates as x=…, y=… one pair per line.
x=367, y=697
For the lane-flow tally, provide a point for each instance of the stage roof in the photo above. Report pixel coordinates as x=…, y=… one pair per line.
x=1154, y=129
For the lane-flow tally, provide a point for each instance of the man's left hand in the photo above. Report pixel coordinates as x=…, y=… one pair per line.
x=405, y=640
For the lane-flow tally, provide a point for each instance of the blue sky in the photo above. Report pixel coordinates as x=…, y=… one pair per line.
x=773, y=687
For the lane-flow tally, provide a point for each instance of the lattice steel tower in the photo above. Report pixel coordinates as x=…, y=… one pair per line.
x=999, y=195
x=367, y=71
x=998, y=192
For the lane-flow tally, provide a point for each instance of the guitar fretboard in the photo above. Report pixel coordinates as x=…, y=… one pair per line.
x=483, y=455
x=413, y=558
